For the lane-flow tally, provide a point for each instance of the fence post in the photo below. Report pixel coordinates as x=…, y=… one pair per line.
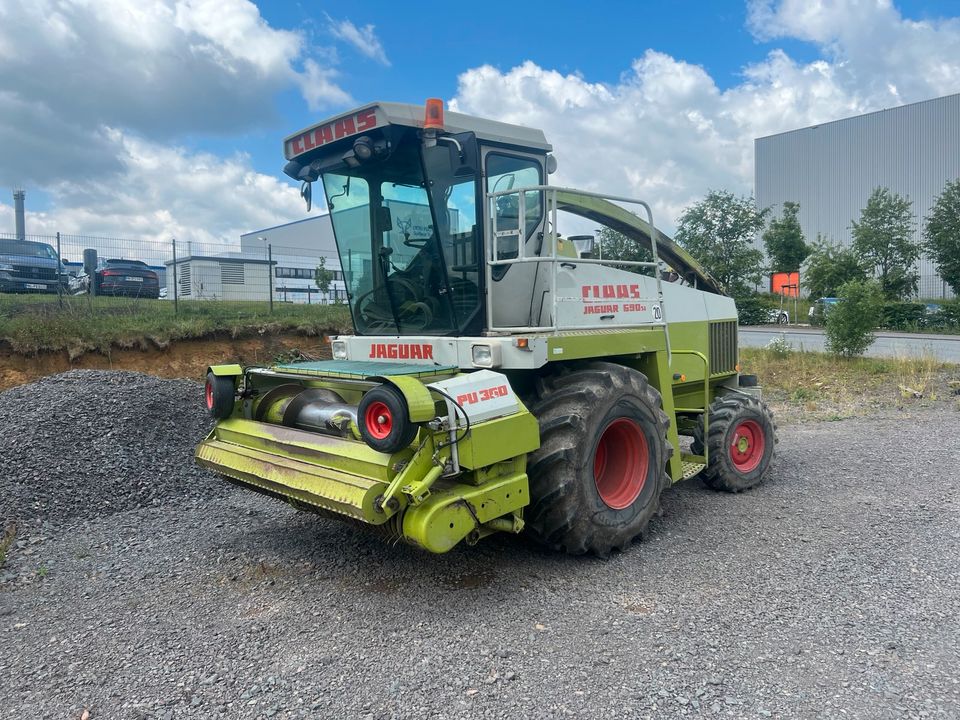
x=176, y=303
x=60, y=269
x=270, y=272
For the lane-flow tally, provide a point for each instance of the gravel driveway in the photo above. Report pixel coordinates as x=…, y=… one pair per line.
x=831, y=591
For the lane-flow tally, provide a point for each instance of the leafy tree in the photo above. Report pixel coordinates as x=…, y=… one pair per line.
x=612, y=245
x=323, y=277
x=942, y=234
x=829, y=267
x=784, y=240
x=719, y=231
x=849, y=324
x=882, y=239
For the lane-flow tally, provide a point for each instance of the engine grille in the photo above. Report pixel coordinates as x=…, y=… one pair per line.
x=723, y=347
x=28, y=272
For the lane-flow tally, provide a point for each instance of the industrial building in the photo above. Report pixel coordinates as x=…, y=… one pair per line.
x=831, y=169
x=295, y=249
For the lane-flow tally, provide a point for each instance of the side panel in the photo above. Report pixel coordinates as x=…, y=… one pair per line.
x=657, y=369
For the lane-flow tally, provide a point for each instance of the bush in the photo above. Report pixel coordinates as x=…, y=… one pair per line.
x=751, y=310
x=828, y=268
x=903, y=315
x=949, y=315
x=849, y=324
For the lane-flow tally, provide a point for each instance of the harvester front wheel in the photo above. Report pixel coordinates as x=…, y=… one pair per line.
x=384, y=421
x=219, y=395
x=740, y=440
x=596, y=480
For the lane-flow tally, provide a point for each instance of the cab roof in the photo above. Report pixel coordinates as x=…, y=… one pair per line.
x=380, y=114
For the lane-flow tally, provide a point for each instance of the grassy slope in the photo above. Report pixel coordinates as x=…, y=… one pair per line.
x=33, y=323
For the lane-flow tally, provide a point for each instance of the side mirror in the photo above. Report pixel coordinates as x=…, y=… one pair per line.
x=384, y=219
x=465, y=159
x=584, y=245
x=306, y=192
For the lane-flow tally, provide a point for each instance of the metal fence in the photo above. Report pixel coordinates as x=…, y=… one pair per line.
x=183, y=275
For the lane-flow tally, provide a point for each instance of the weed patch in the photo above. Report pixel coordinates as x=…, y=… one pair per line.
x=6, y=541
x=818, y=386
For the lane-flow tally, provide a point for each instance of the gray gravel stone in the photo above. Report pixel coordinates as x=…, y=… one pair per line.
x=149, y=608
x=88, y=443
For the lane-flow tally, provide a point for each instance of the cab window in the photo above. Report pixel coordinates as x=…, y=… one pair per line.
x=509, y=172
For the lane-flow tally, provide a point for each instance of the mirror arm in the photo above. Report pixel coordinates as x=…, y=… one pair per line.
x=455, y=142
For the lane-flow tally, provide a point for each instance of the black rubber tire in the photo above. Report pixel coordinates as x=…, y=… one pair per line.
x=402, y=430
x=220, y=396
x=574, y=406
x=726, y=413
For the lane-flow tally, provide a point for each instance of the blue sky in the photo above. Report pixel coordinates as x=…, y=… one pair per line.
x=164, y=117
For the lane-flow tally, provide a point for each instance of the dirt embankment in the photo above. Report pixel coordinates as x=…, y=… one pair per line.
x=181, y=359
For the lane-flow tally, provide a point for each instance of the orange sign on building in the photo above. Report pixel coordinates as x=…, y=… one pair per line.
x=785, y=283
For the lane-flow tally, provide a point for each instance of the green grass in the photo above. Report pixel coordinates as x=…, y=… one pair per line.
x=821, y=386
x=37, y=323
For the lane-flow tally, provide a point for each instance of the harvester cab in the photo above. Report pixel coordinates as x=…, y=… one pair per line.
x=501, y=375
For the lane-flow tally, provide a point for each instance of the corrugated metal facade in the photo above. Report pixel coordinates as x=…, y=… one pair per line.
x=831, y=169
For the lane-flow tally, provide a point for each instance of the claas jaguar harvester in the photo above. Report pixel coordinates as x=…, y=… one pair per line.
x=502, y=377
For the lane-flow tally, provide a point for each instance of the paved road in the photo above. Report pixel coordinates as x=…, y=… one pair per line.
x=945, y=348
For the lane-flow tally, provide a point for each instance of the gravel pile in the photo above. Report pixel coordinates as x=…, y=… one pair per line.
x=831, y=591
x=87, y=443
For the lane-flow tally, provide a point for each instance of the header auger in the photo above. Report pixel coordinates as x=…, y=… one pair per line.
x=501, y=377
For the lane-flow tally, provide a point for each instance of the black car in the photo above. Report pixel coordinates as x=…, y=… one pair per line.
x=130, y=278
x=27, y=266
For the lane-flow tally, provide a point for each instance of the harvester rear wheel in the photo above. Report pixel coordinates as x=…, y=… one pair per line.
x=740, y=440
x=596, y=480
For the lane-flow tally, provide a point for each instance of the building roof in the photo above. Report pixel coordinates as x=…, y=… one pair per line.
x=221, y=260
x=955, y=96
x=322, y=214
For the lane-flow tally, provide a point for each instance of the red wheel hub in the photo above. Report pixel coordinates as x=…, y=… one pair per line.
x=747, y=445
x=208, y=394
x=620, y=463
x=379, y=420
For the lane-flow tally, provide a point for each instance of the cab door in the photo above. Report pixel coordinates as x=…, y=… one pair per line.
x=513, y=287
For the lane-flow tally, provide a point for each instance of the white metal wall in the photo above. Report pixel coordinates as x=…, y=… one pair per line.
x=831, y=169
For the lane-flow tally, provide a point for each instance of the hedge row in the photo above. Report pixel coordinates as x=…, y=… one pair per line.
x=916, y=316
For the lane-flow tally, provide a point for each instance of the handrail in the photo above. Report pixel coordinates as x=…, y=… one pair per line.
x=550, y=238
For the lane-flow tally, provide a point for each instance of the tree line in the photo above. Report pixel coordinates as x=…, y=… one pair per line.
x=719, y=231
x=877, y=268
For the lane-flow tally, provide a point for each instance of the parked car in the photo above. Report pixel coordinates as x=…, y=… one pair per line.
x=780, y=317
x=820, y=308
x=129, y=278
x=27, y=266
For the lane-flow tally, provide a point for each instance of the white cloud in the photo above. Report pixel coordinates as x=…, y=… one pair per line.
x=319, y=87
x=159, y=68
x=164, y=192
x=667, y=133
x=363, y=39
x=95, y=96
x=872, y=46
